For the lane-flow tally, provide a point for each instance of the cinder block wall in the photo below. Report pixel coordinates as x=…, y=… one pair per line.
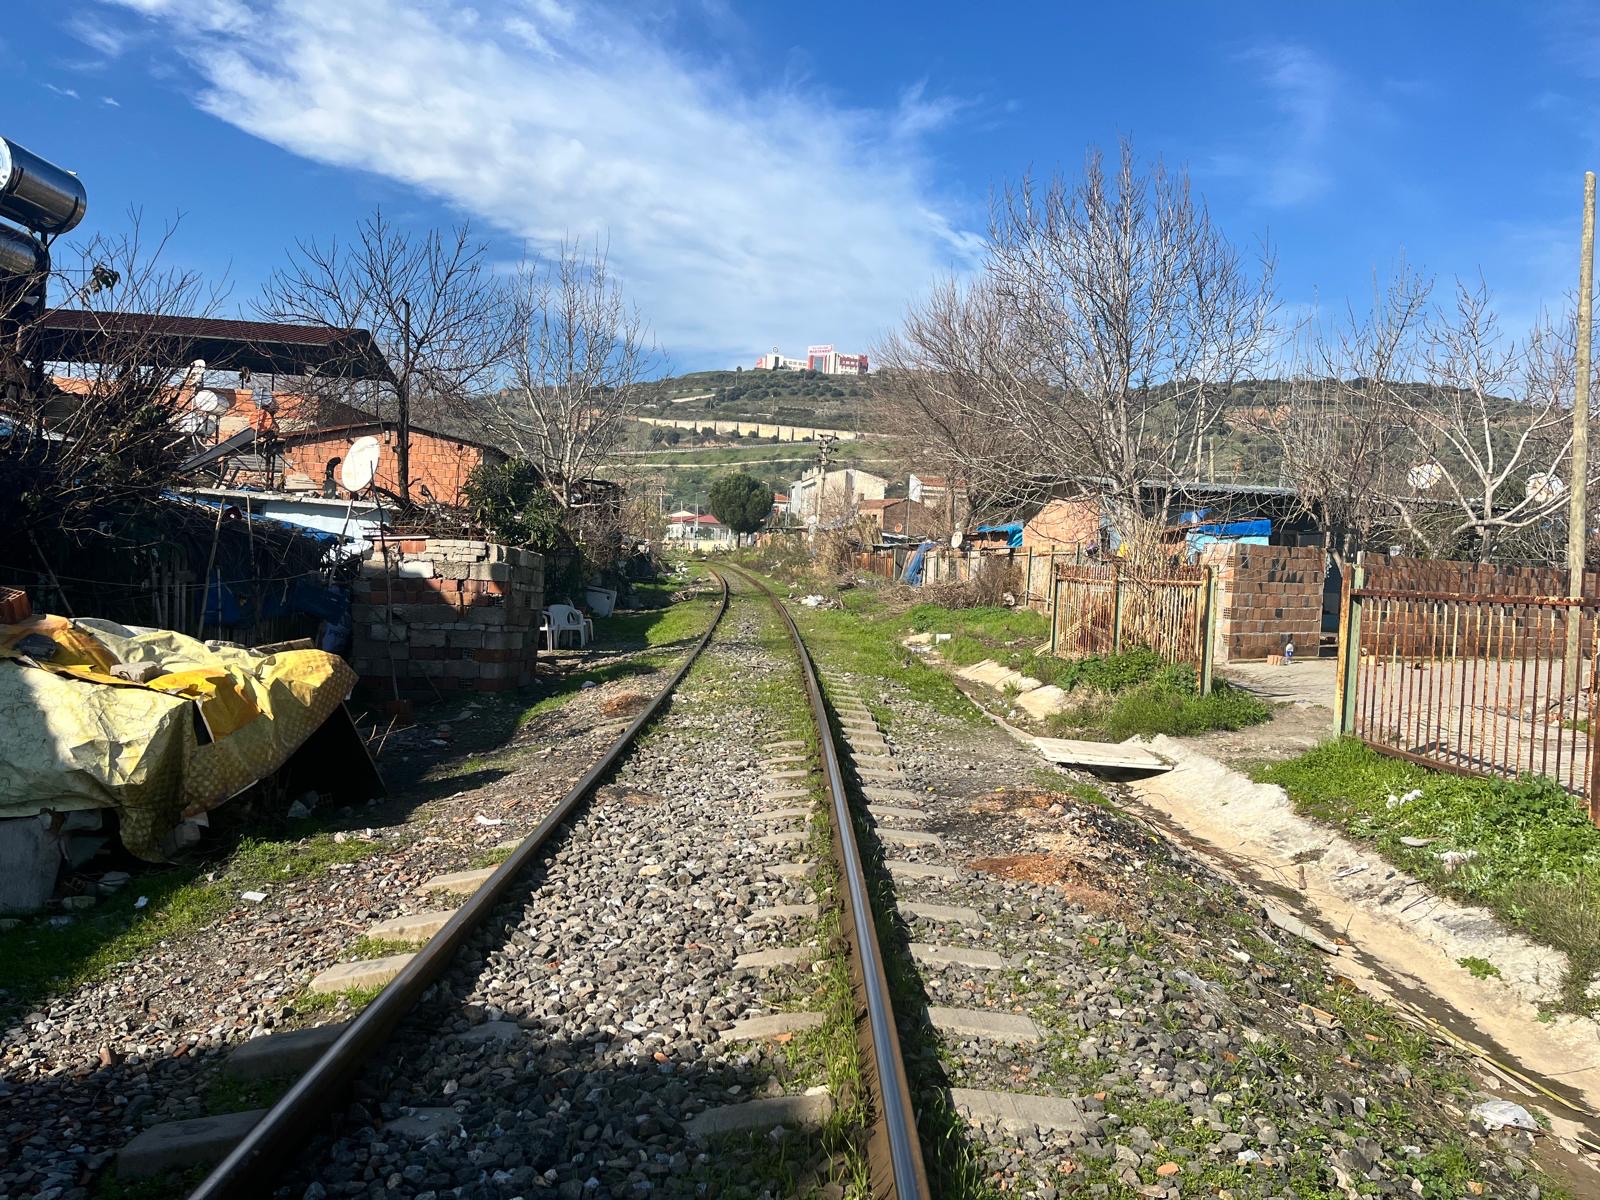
x=1266, y=596
x=451, y=614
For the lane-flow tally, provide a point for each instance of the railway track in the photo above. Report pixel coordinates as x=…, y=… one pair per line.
x=735, y=1055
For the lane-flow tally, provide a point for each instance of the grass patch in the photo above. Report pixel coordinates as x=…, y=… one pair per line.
x=378, y=947
x=170, y=1185
x=491, y=857
x=1136, y=694
x=227, y=1094
x=1481, y=968
x=39, y=959
x=349, y=1001
x=1525, y=849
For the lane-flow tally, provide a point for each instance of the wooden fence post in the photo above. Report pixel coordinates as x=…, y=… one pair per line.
x=1208, y=630
x=1116, y=612
x=1344, y=706
x=1054, y=610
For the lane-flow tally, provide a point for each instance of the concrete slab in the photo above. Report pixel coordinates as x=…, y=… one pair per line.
x=175, y=1145
x=786, y=776
x=866, y=743
x=888, y=812
x=1025, y=1115
x=956, y=956
x=30, y=856
x=874, y=761
x=778, y=914
x=809, y=1110
x=782, y=956
x=790, y=793
x=281, y=1053
x=1119, y=756
x=791, y=837
x=988, y=672
x=772, y=815
x=1042, y=702
x=369, y=973
x=908, y=837
x=900, y=869
x=885, y=795
x=785, y=760
x=417, y=927
x=424, y=1123
x=458, y=883
x=795, y=870
x=755, y=1029
x=1011, y=1028
x=947, y=914
x=881, y=775
x=786, y=744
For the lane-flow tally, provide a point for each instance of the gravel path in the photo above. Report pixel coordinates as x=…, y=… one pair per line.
x=1206, y=1051
x=590, y=1020
x=84, y=1071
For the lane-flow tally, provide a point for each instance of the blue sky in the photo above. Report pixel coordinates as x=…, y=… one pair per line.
x=779, y=175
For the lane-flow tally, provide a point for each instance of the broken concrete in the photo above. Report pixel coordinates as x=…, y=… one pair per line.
x=810, y=1110
x=367, y=973
x=756, y=1029
x=277, y=1054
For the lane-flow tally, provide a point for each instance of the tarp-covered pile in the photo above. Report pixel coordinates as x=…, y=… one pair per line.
x=207, y=723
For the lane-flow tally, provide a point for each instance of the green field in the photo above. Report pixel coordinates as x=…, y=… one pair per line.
x=688, y=472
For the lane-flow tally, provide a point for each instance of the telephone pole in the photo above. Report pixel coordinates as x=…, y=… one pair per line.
x=1578, y=501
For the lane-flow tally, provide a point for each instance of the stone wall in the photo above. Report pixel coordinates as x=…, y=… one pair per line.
x=1266, y=596
x=451, y=615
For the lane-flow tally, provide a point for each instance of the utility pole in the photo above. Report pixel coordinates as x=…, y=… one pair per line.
x=1578, y=502
x=402, y=449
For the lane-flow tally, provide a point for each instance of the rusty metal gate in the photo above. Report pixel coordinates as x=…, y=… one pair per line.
x=1476, y=684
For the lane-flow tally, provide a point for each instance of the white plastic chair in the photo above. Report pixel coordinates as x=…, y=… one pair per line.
x=561, y=619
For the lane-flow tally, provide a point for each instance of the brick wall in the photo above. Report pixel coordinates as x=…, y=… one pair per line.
x=1073, y=522
x=442, y=463
x=1421, y=628
x=453, y=615
x=1266, y=596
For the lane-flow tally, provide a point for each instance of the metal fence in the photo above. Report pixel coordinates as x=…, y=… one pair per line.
x=1106, y=608
x=1478, y=684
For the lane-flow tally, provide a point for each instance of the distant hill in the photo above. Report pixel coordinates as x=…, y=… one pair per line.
x=781, y=397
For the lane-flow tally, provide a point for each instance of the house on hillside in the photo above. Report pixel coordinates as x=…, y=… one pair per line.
x=699, y=531
x=940, y=494
x=902, y=518
x=831, y=498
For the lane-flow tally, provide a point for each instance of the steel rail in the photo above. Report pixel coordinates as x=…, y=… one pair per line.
x=894, y=1147
x=254, y=1165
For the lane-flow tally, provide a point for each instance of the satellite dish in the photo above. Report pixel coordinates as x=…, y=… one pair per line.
x=1543, y=487
x=196, y=373
x=1424, y=475
x=360, y=464
x=213, y=404
x=956, y=539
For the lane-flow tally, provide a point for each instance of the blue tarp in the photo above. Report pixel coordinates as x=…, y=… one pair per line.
x=913, y=572
x=1012, y=530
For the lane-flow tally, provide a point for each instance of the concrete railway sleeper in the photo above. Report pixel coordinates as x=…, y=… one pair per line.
x=656, y=994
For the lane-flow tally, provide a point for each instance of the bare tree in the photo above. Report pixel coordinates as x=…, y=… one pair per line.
x=1494, y=416
x=953, y=364
x=431, y=303
x=1134, y=314
x=579, y=353
x=81, y=437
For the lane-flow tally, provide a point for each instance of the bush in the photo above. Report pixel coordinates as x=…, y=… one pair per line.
x=1177, y=711
x=509, y=500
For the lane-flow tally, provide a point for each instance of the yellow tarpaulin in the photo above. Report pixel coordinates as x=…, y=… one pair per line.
x=72, y=736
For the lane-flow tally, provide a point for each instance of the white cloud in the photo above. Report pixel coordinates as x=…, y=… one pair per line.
x=69, y=93
x=98, y=36
x=1289, y=160
x=110, y=101
x=737, y=219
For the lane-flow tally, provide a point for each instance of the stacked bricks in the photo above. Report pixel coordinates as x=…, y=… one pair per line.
x=1266, y=596
x=449, y=614
x=1421, y=628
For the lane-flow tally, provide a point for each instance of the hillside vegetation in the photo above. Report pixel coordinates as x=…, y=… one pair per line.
x=782, y=397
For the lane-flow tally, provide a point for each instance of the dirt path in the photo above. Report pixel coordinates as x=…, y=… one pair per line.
x=1399, y=939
